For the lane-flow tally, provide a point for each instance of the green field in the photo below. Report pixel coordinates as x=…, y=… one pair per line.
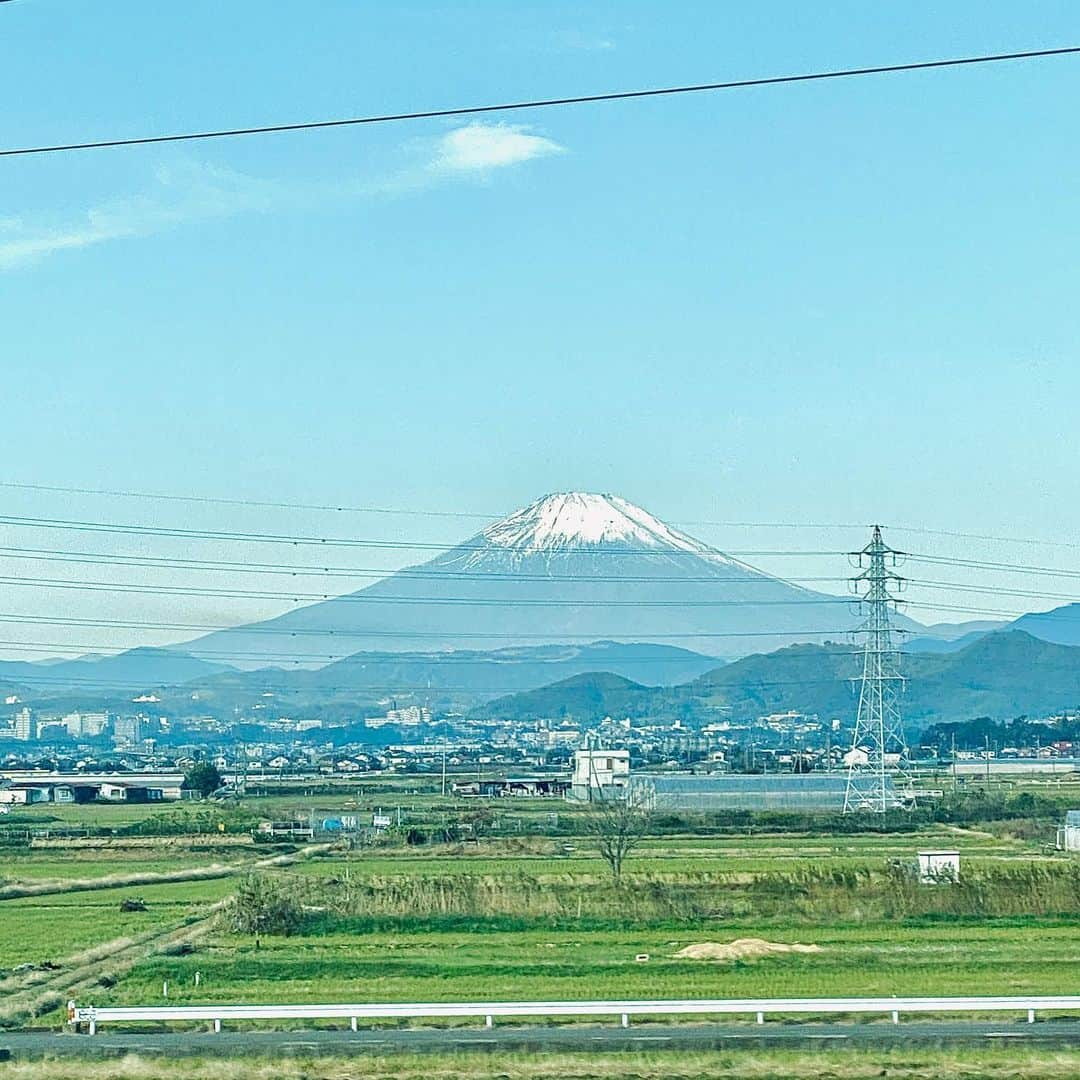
x=48, y=929
x=432, y=964
x=531, y=916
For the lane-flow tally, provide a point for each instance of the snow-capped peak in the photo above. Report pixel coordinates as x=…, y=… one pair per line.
x=577, y=519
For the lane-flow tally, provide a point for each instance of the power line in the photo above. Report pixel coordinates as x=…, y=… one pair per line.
x=301, y=570
x=592, y=635
x=342, y=508
x=508, y=663
x=86, y=558
x=389, y=511
x=255, y=503
x=982, y=564
x=326, y=541
x=291, y=570
x=988, y=537
x=550, y=639
x=543, y=103
x=364, y=596
x=747, y=688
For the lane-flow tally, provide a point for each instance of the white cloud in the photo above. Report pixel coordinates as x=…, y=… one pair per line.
x=192, y=192
x=184, y=193
x=482, y=147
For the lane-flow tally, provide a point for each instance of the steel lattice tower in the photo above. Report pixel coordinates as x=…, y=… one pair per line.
x=876, y=785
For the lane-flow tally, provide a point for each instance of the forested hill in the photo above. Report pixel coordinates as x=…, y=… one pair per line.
x=999, y=676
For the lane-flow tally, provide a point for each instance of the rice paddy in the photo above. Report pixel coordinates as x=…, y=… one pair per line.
x=535, y=917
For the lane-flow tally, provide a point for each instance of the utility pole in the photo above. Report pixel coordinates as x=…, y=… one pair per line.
x=240, y=771
x=444, y=770
x=879, y=728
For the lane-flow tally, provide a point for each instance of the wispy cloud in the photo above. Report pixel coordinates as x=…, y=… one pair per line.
x=575, y=39
x=193, y=192
x=483, y=147
x=183, y=193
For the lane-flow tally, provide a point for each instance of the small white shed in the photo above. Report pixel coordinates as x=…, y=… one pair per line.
x=1069, y=833
x=935, y=866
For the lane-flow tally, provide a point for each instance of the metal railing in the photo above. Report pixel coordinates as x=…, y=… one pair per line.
x=757, y=1007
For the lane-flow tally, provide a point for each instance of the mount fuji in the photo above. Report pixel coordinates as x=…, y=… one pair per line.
x=569, y=568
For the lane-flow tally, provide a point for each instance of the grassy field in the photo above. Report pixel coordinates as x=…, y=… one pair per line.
x=1001, y=1063
x=48, y=929
x=493, y=921
x=473, y=963
x=529, y=916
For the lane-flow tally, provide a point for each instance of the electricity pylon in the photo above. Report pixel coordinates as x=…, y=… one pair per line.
x=877, y=783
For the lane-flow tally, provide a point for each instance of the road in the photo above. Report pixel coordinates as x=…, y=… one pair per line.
x=579, y=1037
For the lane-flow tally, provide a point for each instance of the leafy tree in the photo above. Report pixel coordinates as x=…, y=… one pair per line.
x=203, y=777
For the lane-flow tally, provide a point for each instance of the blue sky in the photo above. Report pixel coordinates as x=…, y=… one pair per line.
x=828, y=303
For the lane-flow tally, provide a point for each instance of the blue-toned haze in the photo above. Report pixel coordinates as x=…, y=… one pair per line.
x=828, y=303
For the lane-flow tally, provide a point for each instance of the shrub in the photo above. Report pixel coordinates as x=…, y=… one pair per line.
x=263, y=906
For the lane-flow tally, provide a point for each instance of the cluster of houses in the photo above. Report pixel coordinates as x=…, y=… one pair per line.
x=26, y=787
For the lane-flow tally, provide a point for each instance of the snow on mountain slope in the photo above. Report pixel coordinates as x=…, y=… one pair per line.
x=571, y=568
x=577, y=519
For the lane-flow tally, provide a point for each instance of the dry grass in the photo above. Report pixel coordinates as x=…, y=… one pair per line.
x=750, y=948
x=929, y=1064
x=115, y=881
x=211, y=872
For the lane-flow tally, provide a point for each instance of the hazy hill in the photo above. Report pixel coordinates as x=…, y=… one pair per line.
x=520, y=668
x=1061, y=625
x=586, y=697
x=1001, y=676
x=135, y=669
x=461, y=677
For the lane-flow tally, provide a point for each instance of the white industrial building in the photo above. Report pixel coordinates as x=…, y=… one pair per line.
x=600, y=774
x=27, y=786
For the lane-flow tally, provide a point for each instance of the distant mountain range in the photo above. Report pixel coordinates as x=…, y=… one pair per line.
x=127, y=671
x=462, y=677
x=1000, y=675
x=571, y=567
x=1061, y=626
x=582, y=604
x=453, y=681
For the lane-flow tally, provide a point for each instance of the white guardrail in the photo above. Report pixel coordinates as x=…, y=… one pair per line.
x=758, y=1007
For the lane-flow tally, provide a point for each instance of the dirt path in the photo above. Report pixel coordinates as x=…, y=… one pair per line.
x=39, y=992
x=54, y=886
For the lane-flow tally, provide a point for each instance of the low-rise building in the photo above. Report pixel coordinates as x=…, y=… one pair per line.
x=600, y=774
x=1068, y=835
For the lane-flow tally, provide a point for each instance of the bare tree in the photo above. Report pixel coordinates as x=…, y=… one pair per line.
x=619, y=821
